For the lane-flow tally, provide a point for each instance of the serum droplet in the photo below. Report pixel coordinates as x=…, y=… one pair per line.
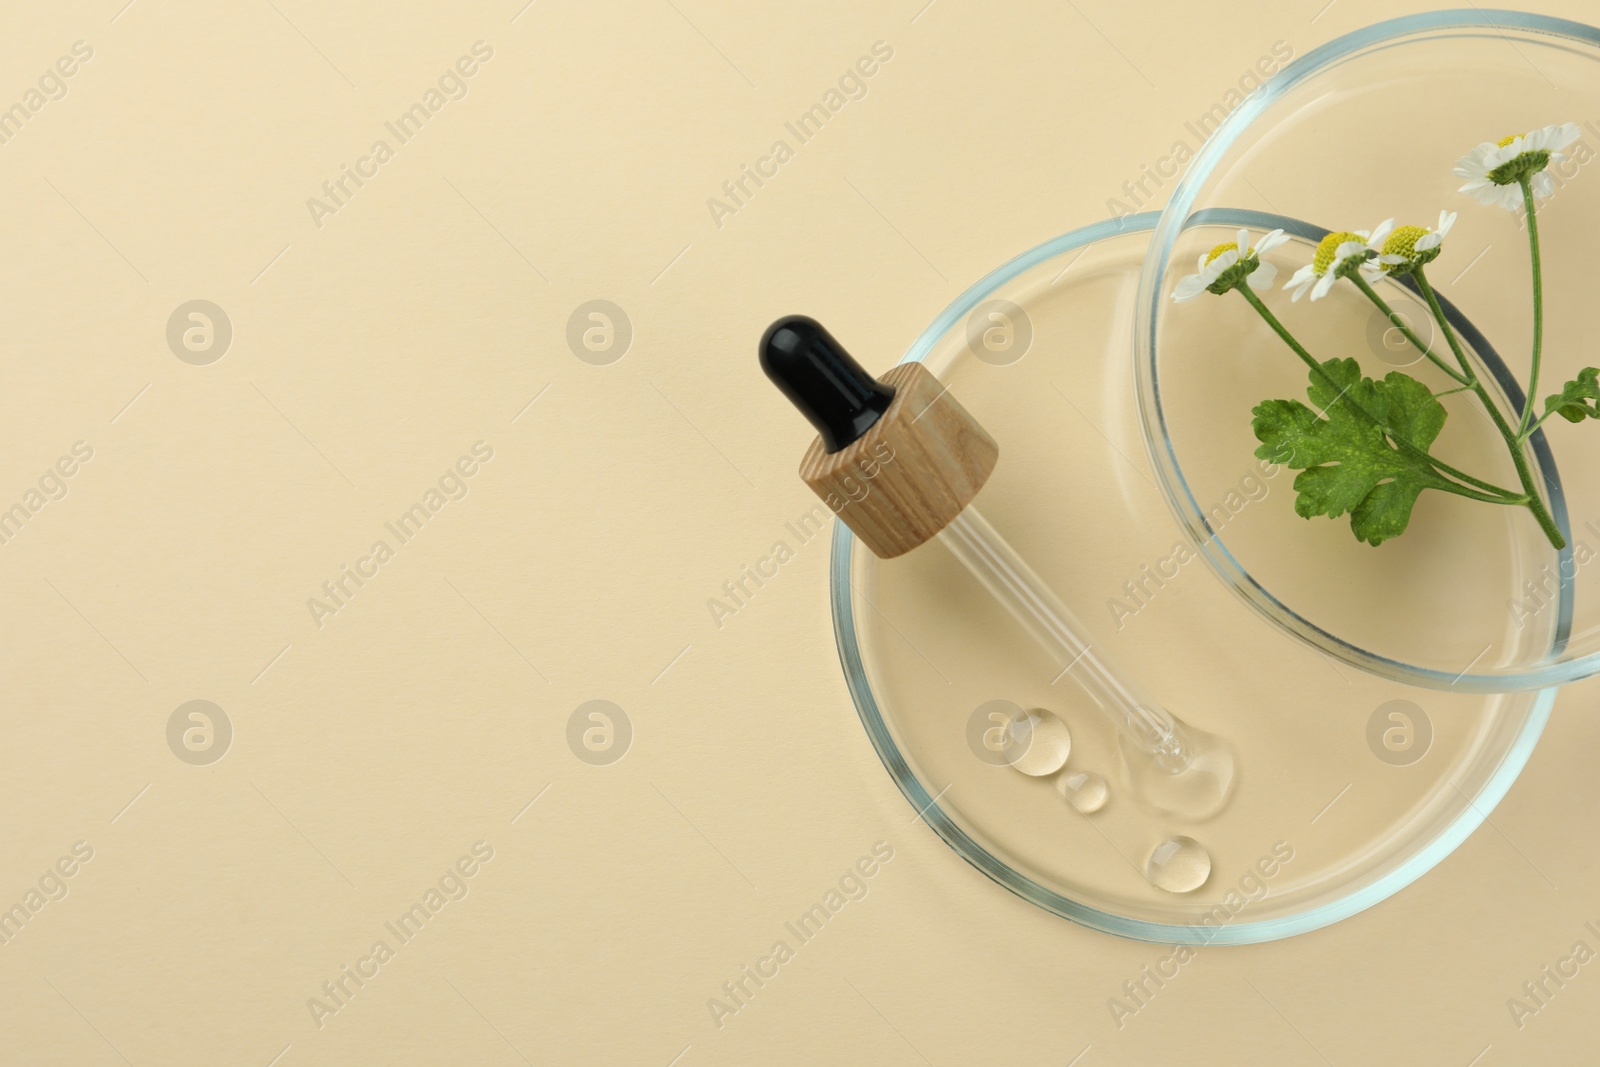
x=1048, y=744
x=1178, y=865
x=1084, y=790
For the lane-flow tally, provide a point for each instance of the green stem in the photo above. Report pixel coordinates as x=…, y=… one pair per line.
x=1449, y=332
x=1538, y=301
x=1535, y=502
x=1316, y=369
x=1400, y=324
x=1540, y=421
x=1473, y=494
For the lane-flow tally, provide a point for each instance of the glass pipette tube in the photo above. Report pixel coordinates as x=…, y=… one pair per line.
x=1197, y=767
x=993, y=561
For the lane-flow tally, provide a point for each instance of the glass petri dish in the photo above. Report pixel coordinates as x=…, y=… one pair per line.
x=1350, y=785
x=1473, y=596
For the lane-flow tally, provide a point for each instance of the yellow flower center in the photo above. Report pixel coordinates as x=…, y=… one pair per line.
x=1229, y=246
x=1403, y=242
x=1328, y=249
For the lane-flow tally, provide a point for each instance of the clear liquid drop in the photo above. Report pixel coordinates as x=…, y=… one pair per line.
x=1048, y=744
x=1194, y=790
x=1178, y=865
x=1084, y=790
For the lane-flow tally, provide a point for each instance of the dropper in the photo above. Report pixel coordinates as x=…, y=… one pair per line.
x=900, y=460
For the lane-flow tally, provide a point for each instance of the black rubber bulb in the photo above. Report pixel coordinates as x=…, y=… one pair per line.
x=824, y=381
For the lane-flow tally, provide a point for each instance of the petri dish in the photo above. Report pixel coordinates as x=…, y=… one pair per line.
x=1351, y=785
x=1365, y=128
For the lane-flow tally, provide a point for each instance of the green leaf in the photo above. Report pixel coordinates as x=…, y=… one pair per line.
x=1343, y=450
x=1403, y=406
x=1577, y=399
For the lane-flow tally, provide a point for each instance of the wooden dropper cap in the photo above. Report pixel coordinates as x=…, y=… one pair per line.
x=896, y=458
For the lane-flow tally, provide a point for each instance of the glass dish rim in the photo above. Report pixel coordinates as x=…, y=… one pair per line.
x=1176, y=216
x=926, y=804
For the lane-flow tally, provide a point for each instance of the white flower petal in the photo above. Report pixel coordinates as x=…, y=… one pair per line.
x=1384, y=229
x=1475, y=163
x=1544, y=186
x=1447, y=219
x=1303, y=279
x=1324, y=283
x=1210, y=271
x=1562, y=136
x=1425, y=243
x=1270, y=241
x=1550, y=138
x=1504, y=196
x=1262, y=278
x=1345, y=253
x=1188, y=287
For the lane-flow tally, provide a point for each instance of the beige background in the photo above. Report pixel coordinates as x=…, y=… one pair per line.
x=372, y=351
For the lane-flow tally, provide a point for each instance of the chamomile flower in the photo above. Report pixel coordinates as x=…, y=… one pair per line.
x=1230, y=265
x=1338, y=255
x=1408, y=248
x=1494, y=171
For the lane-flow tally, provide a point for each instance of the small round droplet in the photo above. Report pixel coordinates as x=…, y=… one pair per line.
x=1084, y=790
x=1048, y=746
x=1178, y=865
